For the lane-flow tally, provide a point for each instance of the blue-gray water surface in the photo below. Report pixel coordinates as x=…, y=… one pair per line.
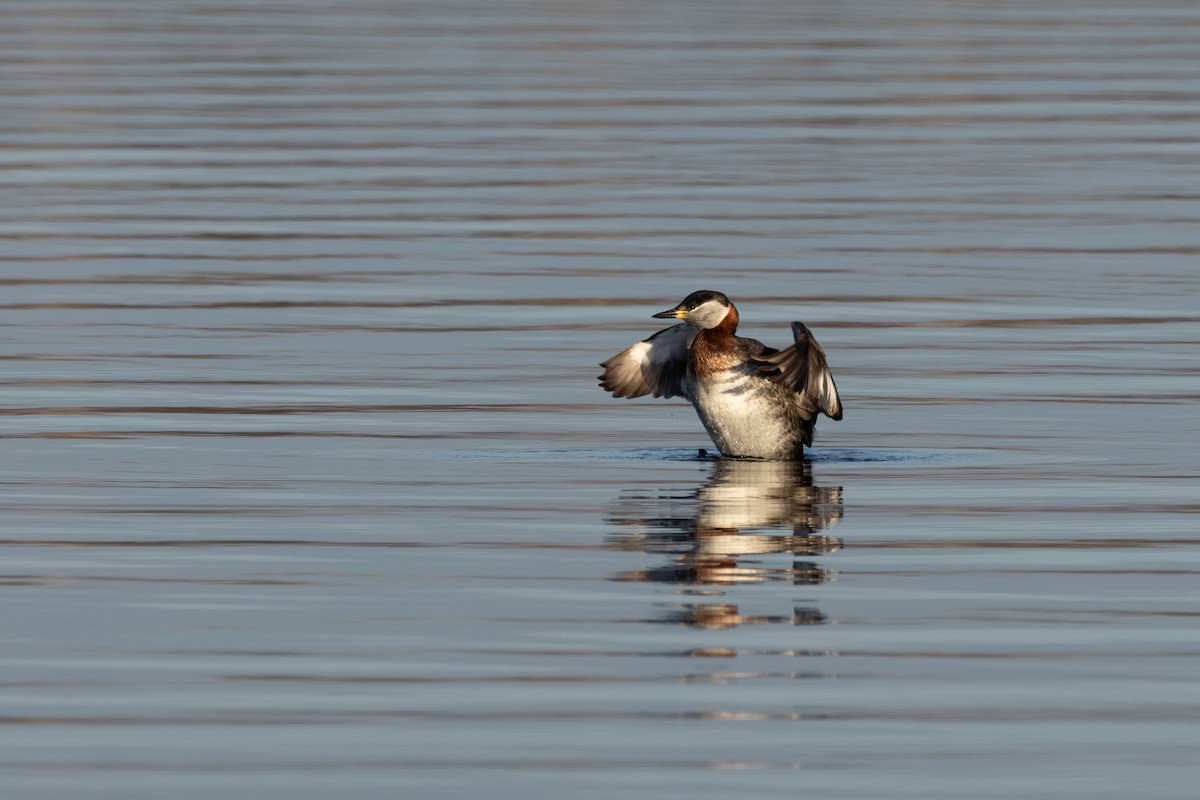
x=308, y=489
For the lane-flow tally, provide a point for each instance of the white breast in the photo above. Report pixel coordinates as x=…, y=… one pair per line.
x=746, y=414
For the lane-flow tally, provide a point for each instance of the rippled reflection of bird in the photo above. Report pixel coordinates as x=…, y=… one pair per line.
x=727, y=531
x=738, y=512
x=755, y=401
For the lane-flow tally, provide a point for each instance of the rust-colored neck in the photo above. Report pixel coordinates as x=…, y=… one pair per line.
x=729, y=324
x=713, y=349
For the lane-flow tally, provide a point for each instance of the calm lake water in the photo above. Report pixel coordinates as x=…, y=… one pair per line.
x=308, y=490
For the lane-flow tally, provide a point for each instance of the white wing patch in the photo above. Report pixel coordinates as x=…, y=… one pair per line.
x=656, y=366
x=803, y=368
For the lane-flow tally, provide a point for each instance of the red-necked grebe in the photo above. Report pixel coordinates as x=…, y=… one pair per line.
x=755, y=401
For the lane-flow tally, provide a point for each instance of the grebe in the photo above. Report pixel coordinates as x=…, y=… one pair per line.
x=755, y=401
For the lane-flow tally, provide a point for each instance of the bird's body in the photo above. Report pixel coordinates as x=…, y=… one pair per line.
x=754, y=401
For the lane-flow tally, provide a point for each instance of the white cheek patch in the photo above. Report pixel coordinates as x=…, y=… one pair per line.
x=708, y=314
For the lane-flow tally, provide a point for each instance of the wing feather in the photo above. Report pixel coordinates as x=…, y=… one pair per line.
x=803, y=368
x=655, y=366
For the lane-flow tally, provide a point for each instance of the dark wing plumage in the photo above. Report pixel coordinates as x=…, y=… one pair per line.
x=753, y=348
x=656, y=366
x=803, y=369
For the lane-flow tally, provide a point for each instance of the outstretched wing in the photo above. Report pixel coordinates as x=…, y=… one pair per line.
x=656, y=366
x=802, y=368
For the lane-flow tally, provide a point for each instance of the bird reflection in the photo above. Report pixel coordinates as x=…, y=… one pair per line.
x=722, y=533
x=725, y=615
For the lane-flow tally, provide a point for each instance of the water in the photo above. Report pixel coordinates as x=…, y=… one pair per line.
x=308, y=489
